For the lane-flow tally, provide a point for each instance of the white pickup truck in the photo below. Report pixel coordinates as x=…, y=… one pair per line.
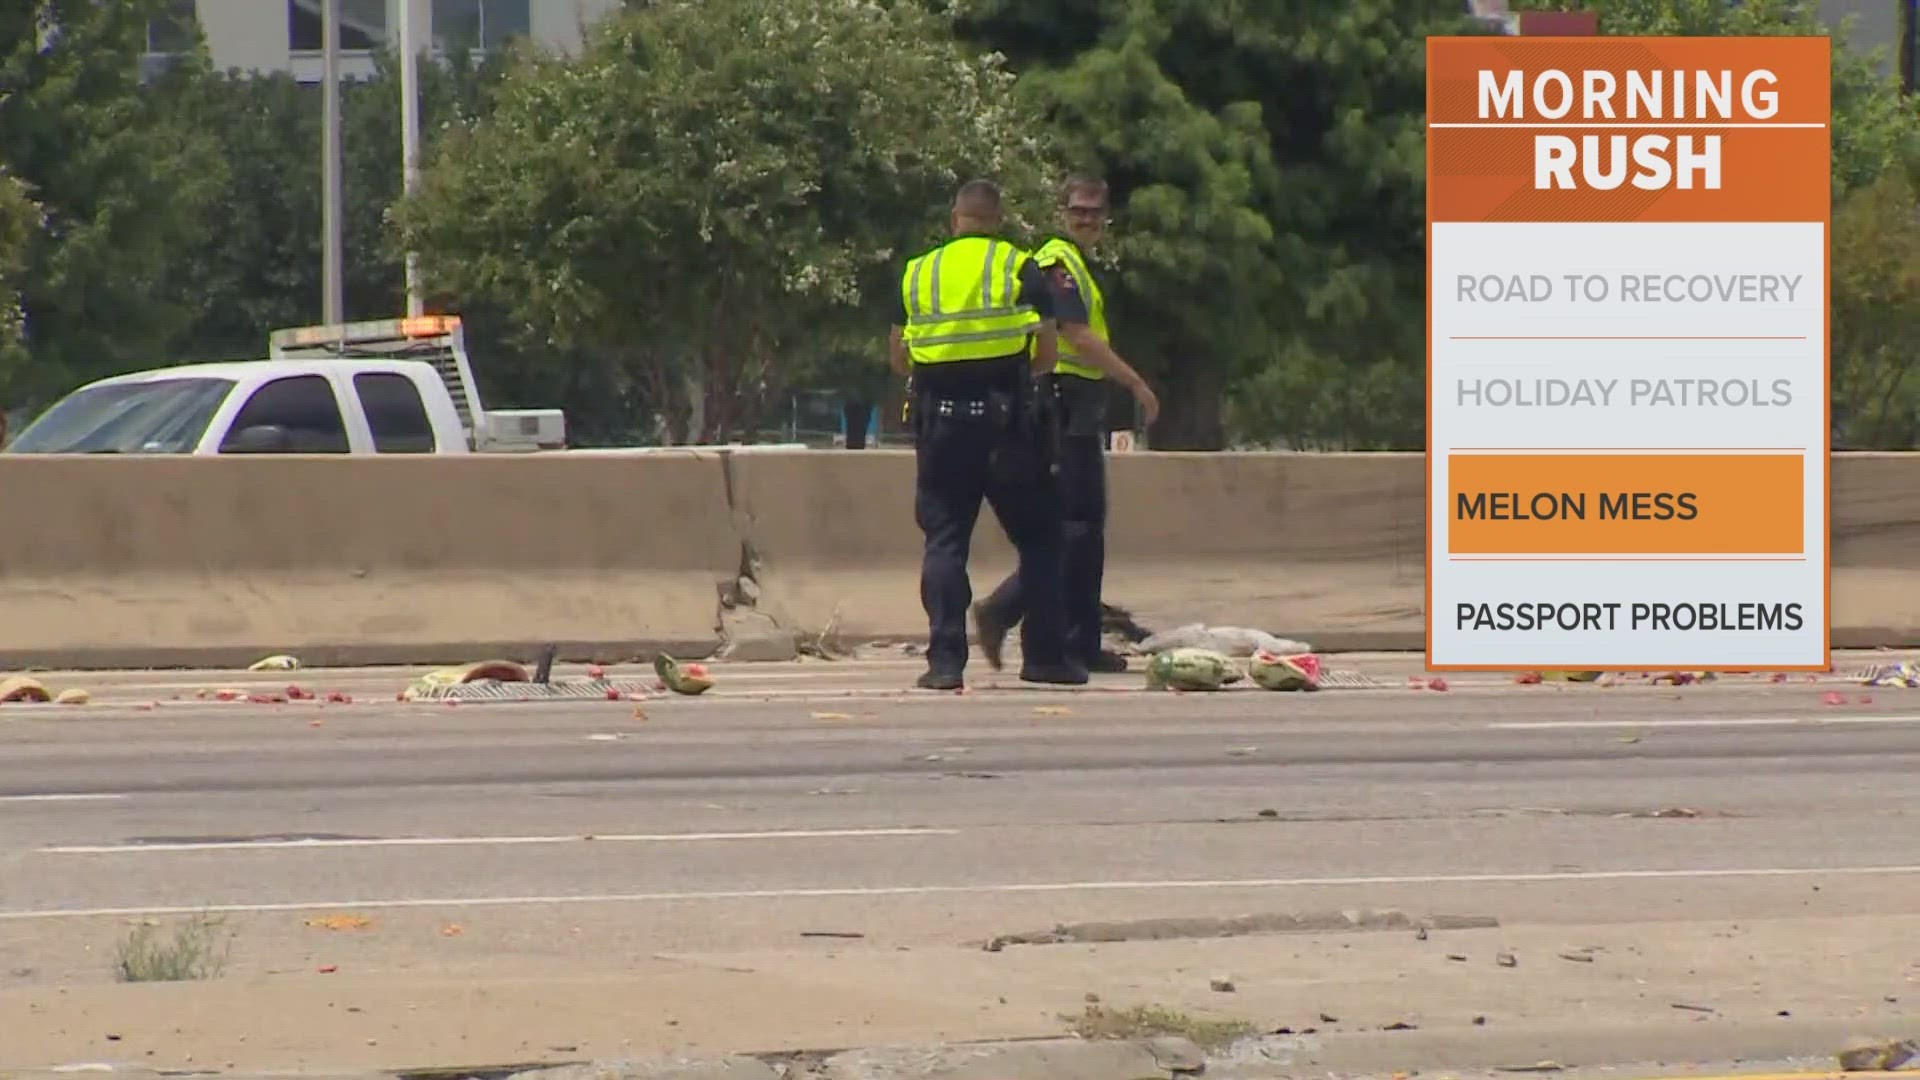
x=384, y=387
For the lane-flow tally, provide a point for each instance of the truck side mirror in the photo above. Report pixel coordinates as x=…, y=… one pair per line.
x=260, y=439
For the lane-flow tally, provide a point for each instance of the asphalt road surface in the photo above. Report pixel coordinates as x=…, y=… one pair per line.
x=793, y=820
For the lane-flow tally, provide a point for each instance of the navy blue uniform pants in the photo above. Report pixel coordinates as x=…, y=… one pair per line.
x=963, y=460
x=1082, y=487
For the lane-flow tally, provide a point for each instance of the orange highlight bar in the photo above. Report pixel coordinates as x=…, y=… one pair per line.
x=1626, y=504
x=1747, y=140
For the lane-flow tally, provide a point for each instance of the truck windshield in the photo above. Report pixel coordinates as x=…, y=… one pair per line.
x=161, y=416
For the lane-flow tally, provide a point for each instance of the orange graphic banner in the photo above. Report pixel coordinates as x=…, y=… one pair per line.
x=1628, y=129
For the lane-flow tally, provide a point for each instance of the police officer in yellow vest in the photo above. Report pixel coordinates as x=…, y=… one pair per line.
x=975, y=317
x=1079, y=385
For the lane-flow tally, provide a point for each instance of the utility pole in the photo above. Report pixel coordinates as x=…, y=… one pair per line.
x=410, y=140
x=333, y=300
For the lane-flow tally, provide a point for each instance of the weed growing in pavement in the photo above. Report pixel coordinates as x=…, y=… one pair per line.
x=1149, y=1021
x=196, y=950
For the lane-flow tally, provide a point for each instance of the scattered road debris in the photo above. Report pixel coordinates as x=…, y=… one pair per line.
x=1221, y=986
x=1905, y=675
x=1273, y=671
x=277, y=662
x=23, y=688
x=340, y=922
x=688, y=679
x=1233, y=641
x=1506, y=959
x=72, y=696
x=1190, y=669
x=1882, y=1055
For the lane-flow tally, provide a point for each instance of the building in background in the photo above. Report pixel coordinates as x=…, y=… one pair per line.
x=284, y=35
x=1886, y=28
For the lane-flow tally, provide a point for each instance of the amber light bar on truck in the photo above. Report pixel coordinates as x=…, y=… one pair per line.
x=417, y=326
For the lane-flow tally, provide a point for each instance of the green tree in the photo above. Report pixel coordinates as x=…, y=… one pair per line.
x=1875, y=310
x=1271, y=162
x=262, y=269
x=1876, y=228
x=124, y=185
x=19, y=225
x=711, y=187
x=1875, y=127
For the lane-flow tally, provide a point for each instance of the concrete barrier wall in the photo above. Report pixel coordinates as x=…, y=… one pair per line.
x=162, y=561
x=1328, y=545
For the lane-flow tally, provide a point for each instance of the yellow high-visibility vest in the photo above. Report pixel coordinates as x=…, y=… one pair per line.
x=1055, y=252
x=963, y=302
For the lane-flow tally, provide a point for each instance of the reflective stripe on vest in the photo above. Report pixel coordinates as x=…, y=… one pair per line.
x=963, y=302
x=1058, y=250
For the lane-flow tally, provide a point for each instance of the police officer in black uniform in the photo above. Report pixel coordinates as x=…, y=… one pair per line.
x=1079, y=382
x=970, y=312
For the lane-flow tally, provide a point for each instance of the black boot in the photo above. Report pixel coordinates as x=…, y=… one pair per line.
x=1063, y=673
x=992, y=635
x=1108, y=663
x=940, y=680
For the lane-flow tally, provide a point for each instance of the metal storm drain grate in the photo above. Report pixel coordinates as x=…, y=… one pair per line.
x=558, y=690
x=1349, y=680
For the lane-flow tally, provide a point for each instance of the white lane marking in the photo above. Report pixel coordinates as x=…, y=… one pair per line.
x=1766, y=721
x=459, y=841
x=69, y=797
x=974, y=890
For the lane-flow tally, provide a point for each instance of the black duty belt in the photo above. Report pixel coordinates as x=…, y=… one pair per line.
x=970, y=408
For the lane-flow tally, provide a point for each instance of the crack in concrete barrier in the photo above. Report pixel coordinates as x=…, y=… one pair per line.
x=746, y=631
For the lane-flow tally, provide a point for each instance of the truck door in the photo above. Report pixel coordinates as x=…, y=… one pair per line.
x=297, y=414
x=396, y=414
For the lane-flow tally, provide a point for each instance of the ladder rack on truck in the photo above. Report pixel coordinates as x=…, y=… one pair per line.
x=439, y=340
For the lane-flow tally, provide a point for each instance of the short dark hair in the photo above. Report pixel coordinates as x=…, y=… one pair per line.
x=1083, y=184
x=977, y=197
